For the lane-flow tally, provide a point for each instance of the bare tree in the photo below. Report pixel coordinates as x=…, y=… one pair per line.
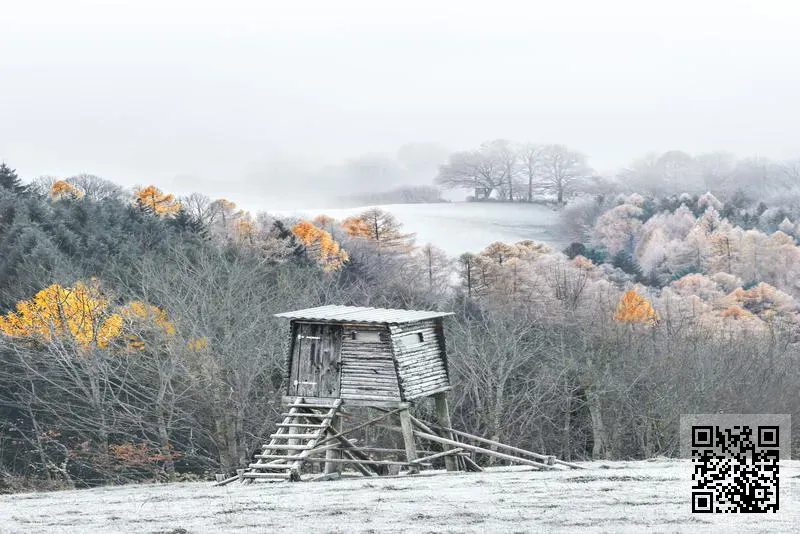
x=530, y=156
x=562, y=169
x=474, y=169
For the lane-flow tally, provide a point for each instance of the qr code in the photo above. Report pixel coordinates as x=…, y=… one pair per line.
x=735, y=469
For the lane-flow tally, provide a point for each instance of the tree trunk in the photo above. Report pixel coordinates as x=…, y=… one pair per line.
x=599, y=435
x=566, y=445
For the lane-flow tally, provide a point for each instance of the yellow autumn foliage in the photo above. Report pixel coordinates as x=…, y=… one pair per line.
x=137, y=310
x=152, y=198
x=79, y=313
x=198, y=344
x=82, y=315
x=328, y=253
x=64, y=190
x=634, y=308
x=245, y=230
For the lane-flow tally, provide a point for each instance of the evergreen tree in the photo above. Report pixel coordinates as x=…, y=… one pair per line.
x=9, y=180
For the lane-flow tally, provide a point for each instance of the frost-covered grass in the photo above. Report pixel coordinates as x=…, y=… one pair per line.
x=460, y=227
x=646, y=496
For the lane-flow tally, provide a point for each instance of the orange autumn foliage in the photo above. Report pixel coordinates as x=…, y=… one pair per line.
x=153, y=199
x=64, y=190
x=355, y=227
x=328, y=253
x=633, y=308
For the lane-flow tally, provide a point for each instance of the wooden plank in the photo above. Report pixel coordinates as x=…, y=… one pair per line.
x=291, y=436
x=427, y=393
x=310, y=405
x=289, y=447
x=515, y=459
x=300, y=425
x=270, y=466
x=269, y=476
x=352, y=396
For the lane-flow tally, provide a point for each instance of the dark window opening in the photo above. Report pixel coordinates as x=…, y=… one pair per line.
x=419, y=336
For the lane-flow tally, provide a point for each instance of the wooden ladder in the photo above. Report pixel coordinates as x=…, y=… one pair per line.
x=303, y=426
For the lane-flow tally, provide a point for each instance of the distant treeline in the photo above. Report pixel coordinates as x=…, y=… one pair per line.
x=421, y=194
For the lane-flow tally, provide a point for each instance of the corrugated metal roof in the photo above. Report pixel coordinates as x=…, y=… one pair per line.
x=356, y=314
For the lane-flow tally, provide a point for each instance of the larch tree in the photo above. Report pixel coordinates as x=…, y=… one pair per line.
x=62, y=189
x=635, y=309
x=381, y=228
x=155, y=201
x=329, y=255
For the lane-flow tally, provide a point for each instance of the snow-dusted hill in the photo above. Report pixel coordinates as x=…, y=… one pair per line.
x=635, y=497
x=460, y=227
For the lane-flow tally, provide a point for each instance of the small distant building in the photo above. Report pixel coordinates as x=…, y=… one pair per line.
x=482, y=193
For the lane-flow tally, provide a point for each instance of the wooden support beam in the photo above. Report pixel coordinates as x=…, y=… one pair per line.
x=446, y=453
x=361, y=467
x=227, y=480
x=333, y=452
x=499, y=445
x=410, y=465
x=408, y=439
x=470, y=464
x=443, y=418
x=488, y=452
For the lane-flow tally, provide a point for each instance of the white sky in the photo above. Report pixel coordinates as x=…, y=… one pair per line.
x=198, y=92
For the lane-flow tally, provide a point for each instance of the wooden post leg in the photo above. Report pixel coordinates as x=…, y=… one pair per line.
x=408, y=438
x=334, y=454
x=443, y=418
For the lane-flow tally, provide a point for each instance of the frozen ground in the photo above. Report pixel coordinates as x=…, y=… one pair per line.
x=646, y=496
x=460, y=227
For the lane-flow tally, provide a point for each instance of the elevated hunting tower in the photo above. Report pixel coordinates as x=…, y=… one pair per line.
x=383, y=359
x=366, y=356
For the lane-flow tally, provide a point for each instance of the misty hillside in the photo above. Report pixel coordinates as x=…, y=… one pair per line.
x=138, y=340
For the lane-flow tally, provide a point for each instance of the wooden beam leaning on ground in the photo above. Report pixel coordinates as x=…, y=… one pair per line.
x=497, y=444
x=517, y=459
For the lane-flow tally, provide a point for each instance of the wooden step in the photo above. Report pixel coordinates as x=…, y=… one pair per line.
x=301, y=425
x=277, y=446
x=317, y=406
x=300, y=415
x=269, y=476
x=284, y=467
x=277, y=457
x=293, y=436
x=275, y=467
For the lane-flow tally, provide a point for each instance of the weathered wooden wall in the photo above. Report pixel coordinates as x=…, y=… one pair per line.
x=421, y=366
x=368, y=371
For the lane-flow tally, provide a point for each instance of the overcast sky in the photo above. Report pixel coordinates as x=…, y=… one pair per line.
x=208, y=93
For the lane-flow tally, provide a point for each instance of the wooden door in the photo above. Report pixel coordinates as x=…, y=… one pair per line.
x=316, y=361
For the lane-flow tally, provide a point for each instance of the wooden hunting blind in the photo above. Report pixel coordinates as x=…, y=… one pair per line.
x=366, y=356
x=383, y=359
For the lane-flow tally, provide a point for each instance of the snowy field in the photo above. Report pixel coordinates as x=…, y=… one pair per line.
x=460, y=227
x=645, y=496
